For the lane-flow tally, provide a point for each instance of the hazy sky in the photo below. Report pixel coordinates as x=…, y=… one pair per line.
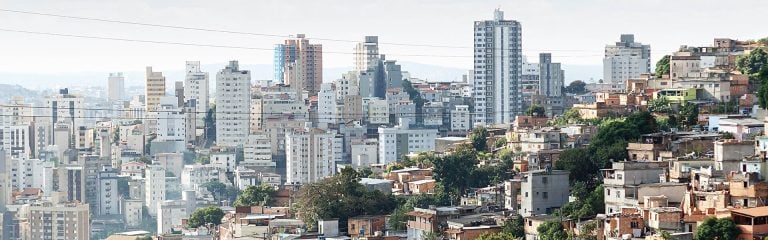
x=574, y=31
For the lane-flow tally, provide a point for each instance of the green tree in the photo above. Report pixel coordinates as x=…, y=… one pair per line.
x=753, y=62
x=690, y=114
x=762, y=91
x=576, y=87
x=552, y=230
x=341, y=197
x=665, y=235
x=497, y=236
x=431, y=235
x=261, y=195
x=535, y=111
x=662, y=66
x=659, y=105
x=719, y=229
x=579, y=163
x=205, y=216
x=454, y=170
x=216, y=188
x=727, y=135
x=514, y=226
x=479, y=138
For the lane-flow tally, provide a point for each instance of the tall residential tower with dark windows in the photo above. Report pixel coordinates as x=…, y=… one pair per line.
x=498, y=70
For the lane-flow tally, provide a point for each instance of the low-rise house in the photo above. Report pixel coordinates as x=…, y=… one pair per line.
x=624, y=225
x=543, y=191
x=753, y=222
x=366, y=226
x=729, y=153
x=741, y=128
x=383, y=185
x=421, y=186
x=747, y=190
x=665, y=219
x=423, y=221
x=473, y=226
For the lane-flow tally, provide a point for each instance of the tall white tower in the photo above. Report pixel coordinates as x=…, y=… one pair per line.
x=196, y=89
x=498, y=70
x=233, y=103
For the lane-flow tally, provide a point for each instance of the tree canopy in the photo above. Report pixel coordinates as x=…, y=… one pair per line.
x=753, y=62
x=536, y=111
x=662, y=66
x=720, y=229
x=341, y=197
x=261, y=195
x=576, y=87
x=552, y=230
x=205, y=216
x=479, y=138
x=454, y=170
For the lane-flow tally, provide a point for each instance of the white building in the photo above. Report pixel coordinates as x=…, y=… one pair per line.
x=543, y=191
x=224, y=160
x=626, y=59
x=16, y=140
x=132, y=212
x=196, y=88
x=257, y=149
x=155, y=188
x=233, y=104
x=365, y=153
x=460, y=121
x=311, y=155
x=171, y=162
x=498, y=70
x=169, y=215
x=195, y=175
x=116, y=87
x=109, y=196
x=401, y=140
x=171, y=125
x=378, y=111
x=328, y=108
x=367, y=53
x=64, y=108
x=16, y=112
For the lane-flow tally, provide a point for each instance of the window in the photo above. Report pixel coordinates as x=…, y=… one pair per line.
x=544, y=180
x=545, y=195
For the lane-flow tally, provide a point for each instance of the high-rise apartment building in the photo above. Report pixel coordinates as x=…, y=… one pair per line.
x=64, y=108
x=171, y=125
x=109, y=196
x=196, y=88
x=116, y=87
x=311, y=155
x=626, y=59
x=367, y=54
x=178, y=91
x=155, y=88
x=529, y=82
x=233, y=103
x=56, y=221
x=300, y=63
x=551, y=76
x=498, y=70
x=154, y=193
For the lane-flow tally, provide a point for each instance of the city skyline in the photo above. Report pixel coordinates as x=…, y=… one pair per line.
x=446, y=19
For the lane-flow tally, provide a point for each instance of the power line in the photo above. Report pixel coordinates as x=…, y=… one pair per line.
x=199, y=44
x=276, y=35
x=250, y=33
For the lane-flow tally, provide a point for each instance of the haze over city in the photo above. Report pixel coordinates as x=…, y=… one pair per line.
x=574, y=31
x=384, y=120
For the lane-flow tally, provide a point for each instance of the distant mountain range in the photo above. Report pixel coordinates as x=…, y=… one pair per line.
x=428, y=72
